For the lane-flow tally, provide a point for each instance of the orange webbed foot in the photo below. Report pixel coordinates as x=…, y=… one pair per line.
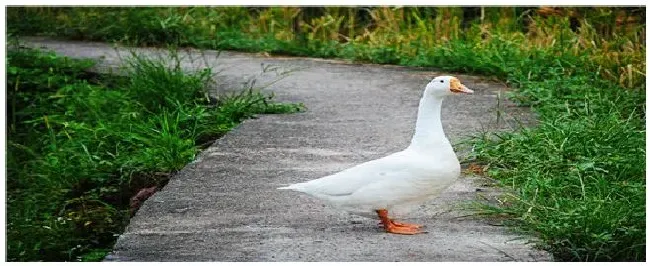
x=402, y=230
x=398, y=228
x=398, y=224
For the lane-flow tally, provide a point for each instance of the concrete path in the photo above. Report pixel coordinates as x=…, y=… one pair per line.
x=225, y=206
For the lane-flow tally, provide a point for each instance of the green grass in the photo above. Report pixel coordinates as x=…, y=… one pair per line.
x=79, y=145
x=577, y=180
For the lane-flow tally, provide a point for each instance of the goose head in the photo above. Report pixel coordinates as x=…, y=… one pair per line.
x=442, y=86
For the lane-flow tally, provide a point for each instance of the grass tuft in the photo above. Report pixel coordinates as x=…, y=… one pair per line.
x=81, y=144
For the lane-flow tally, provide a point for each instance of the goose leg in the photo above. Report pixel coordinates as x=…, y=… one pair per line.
x=397, y=228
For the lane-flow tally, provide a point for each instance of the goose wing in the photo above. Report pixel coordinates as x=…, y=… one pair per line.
x=393, y=167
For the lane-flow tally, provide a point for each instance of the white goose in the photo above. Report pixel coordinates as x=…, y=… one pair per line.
x=421, y=171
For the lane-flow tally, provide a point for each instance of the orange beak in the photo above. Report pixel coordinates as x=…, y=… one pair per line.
x=457, y=87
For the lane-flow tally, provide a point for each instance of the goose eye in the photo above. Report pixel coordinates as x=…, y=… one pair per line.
x=442, y=81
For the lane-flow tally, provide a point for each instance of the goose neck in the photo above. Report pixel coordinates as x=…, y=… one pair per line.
x=428, y=128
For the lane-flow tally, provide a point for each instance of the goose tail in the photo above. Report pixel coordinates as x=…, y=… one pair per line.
x=295, y=187
x=290, y=187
